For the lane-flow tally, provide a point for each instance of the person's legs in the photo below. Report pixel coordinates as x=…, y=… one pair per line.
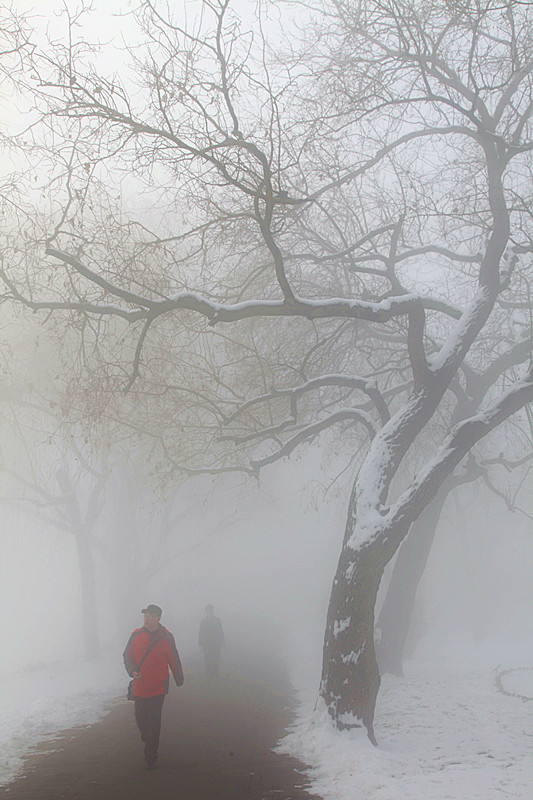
x=216, y=661
x=141, y=708
x=212, y=657
x=153, y=728
x=148, y=718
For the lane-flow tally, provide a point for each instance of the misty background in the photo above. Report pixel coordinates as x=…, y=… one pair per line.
x=264, y=553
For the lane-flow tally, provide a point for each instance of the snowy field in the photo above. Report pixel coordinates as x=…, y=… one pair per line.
x=449, y=729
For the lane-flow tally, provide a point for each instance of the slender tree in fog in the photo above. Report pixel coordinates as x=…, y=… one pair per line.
x=61, y=489
x=334, y=239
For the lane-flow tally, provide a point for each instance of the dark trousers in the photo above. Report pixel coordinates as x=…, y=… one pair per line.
x=211, y=659
x=148, y=718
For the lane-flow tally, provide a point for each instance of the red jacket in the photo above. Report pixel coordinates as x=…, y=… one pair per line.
x=154, y=669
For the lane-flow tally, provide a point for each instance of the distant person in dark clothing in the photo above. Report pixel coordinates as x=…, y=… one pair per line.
x=150, y=651
x=211, y=639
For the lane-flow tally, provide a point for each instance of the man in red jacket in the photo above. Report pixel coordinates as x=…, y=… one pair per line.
x=150, y=651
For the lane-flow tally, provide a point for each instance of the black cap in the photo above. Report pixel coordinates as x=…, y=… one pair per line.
x=152, y=609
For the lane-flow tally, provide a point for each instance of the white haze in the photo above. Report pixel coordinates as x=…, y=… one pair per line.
x=265, y=555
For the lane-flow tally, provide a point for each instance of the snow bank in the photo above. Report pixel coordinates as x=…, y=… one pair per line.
x=445, y=731
x=44, y=699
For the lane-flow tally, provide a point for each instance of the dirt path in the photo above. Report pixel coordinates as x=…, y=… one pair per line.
x=216, y=744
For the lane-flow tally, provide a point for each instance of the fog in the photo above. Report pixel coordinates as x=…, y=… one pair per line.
x=261, y=554
x=264, y=554
x=246, y=345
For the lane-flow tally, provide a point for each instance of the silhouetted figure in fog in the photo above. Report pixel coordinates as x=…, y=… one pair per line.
x=211, y=639
x=150, y=651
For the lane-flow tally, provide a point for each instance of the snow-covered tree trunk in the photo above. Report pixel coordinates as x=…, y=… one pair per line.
x=395, y=617
x=350, y=677
x=350, y=674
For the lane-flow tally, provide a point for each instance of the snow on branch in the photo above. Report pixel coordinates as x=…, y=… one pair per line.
x=457, y=444
x=332, y=307
x=345, y=381
x=310, y=431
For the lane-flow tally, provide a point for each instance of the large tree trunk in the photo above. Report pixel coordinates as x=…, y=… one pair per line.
x=396, y=613
x=350, y=675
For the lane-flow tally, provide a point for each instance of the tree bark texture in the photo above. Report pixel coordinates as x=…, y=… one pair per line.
x=350, y=674
x=350, y=677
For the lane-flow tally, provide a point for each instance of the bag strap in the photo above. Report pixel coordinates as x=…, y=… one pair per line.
x=149, y=649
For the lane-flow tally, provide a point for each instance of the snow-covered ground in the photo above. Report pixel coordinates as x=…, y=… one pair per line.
x=452, y=728
x=39, y=701
x=446, y=730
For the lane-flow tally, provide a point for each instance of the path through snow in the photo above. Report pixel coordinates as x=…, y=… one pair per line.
x=446, y=731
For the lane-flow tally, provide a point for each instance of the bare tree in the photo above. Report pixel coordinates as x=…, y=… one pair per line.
x=364, y=237
x=64, y=491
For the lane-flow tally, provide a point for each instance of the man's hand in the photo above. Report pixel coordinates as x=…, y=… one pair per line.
x=136, y=674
